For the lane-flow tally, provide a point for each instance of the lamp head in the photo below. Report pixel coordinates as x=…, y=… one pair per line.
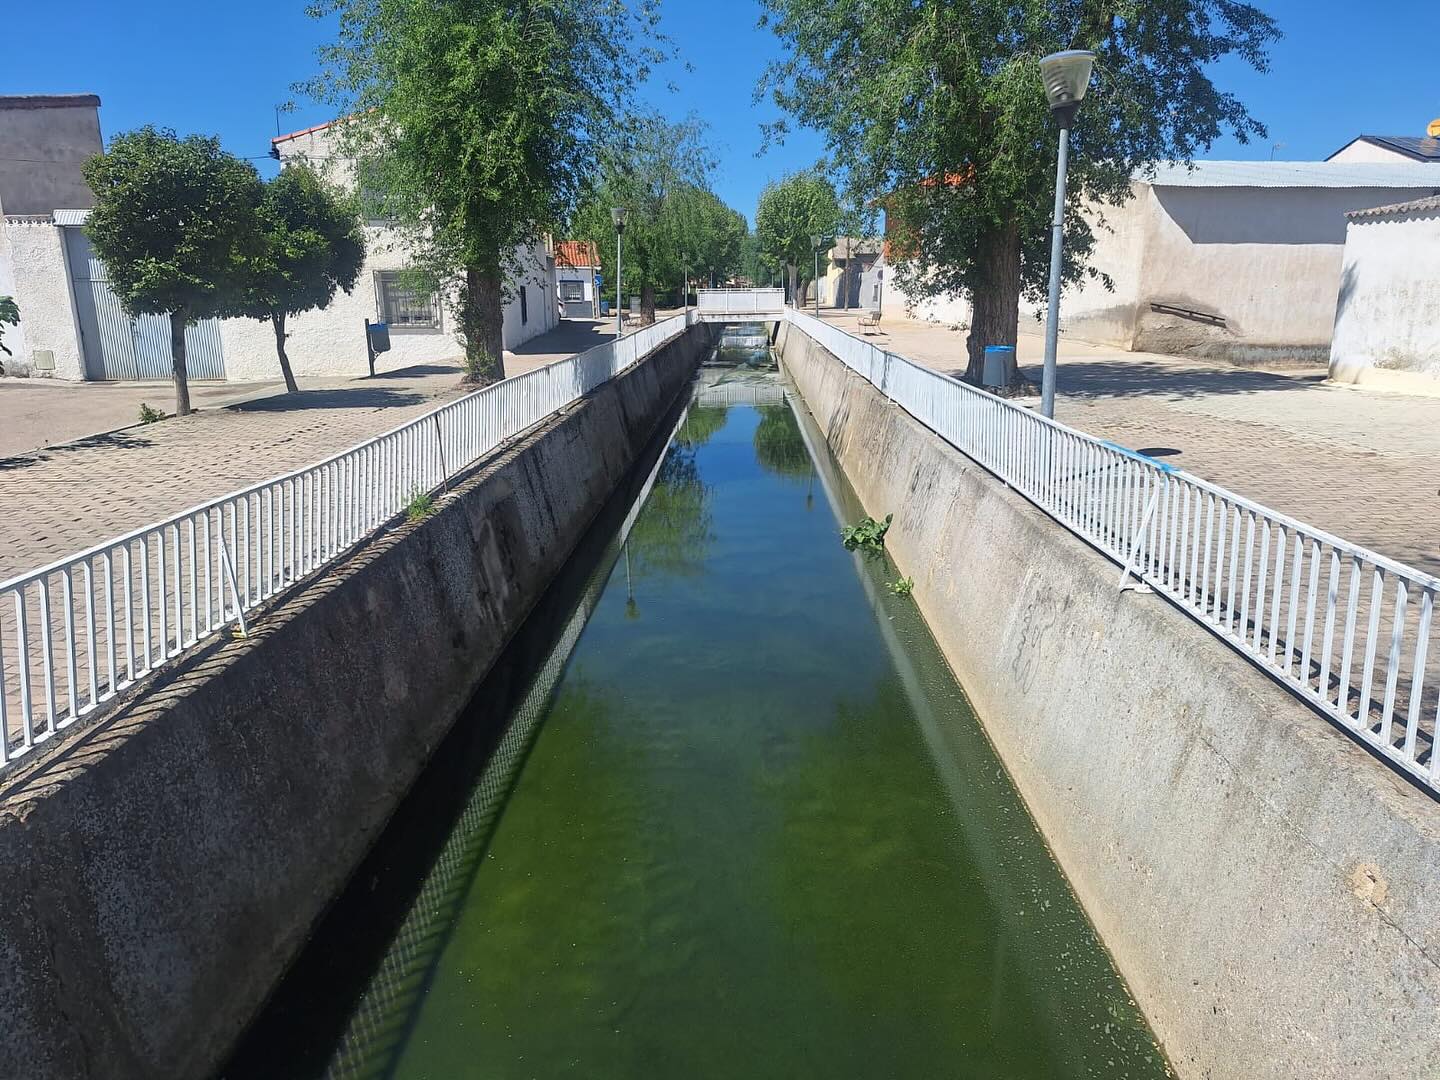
x=618, y=214
x=1067, y=76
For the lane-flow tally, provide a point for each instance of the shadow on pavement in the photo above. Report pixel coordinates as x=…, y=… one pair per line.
x=113, y=441
x=360, y=397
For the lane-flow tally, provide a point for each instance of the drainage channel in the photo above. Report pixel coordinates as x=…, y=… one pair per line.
x=721, y=811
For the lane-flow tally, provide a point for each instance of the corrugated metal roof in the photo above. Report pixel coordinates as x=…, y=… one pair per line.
x=1414, y=206
x=1298, y=174
x=71, y=217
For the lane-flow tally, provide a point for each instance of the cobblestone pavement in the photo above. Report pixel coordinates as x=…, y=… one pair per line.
x=1361, y=464
x=65, y=496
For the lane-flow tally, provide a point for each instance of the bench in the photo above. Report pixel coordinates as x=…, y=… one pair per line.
x=870, y=319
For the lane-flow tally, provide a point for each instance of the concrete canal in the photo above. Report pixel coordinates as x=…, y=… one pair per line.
x=720, y=811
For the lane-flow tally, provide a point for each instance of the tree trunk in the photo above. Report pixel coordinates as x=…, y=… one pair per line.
x=792, y=271
x=277, y=320
x=177, y=357
x=995, y=302
x=647, y=304
x=482, y=317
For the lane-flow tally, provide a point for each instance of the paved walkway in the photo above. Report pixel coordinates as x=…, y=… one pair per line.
x=58, y=497
x=1361, y=464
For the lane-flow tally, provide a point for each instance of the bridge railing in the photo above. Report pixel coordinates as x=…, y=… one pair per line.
x=1347, y=629
x=740, y=301
x=83, y=629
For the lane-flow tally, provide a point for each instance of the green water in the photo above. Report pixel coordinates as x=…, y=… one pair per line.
x=744, y=825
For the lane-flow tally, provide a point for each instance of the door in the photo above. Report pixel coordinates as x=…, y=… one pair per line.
x=118, y=347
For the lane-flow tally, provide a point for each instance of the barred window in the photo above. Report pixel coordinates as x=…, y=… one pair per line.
x=402, y=307
x=572, y=290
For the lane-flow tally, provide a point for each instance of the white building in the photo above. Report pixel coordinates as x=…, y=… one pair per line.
x=1226, y=259
x=577, y=266
x=1424, y=149
x=72, y=326
x=1387, y=322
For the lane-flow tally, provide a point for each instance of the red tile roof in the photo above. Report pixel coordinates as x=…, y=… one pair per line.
x=576, y=253
x=297, y=134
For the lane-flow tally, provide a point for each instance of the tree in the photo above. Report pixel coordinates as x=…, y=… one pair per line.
x=175, y=222
x=478, y=122
x=9, y=316
x=938, y=109
x=791, y=213
x=314, y=243
x=708, y=234
x=658, y=171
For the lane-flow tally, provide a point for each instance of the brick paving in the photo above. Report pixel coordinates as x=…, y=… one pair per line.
x=1358, y=463
x=61, y=498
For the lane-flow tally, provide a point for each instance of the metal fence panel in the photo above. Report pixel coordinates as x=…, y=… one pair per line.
x=1345, y=627
x=77, y=632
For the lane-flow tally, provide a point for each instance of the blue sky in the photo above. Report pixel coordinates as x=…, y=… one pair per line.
x=221, y=67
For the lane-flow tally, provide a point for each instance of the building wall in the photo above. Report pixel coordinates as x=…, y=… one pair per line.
x=331, y=342
x=42, y=291
x=1387, y=323
x=1361, y=151
x=43, y=143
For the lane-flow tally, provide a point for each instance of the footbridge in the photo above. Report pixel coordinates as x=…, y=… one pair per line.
x=740, y=305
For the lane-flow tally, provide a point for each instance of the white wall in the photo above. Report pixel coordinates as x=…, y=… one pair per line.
x=42, y=291
x=331, y=342
x=44, y=140
x=1362, y=151
x=1387, y=324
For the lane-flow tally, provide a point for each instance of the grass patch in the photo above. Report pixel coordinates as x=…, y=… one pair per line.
x=150, y=415
x=420, y=507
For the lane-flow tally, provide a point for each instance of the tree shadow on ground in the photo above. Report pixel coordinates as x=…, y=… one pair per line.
x=360, y=397
x=421, y=369
x=113, y=441
x=1128, y=377
x=567, y=336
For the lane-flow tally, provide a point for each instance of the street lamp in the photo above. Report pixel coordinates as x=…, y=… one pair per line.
x=1066, y=76
x=618, y=215
x=815, y=241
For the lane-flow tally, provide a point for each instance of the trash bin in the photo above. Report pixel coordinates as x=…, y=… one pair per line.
x=379, y=336
x=998, y=359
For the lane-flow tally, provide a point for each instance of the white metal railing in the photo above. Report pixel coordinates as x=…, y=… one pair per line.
x=740, y=301
x=77, y=632
x=1344, y=627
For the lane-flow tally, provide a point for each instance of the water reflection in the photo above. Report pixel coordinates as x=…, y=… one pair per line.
x=757, y=831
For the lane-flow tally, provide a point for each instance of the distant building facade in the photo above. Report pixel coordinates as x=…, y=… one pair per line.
x=577, y=269
x=1238, y=261
x=71, y=323
x=1387, y=321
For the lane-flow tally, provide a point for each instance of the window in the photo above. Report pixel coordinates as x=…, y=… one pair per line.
x=572, y=290
x=404, y=308
x=524, y=307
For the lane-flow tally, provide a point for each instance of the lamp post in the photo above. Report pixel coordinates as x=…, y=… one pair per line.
x=815, y=242
x=1067, y=76
x=618, y=215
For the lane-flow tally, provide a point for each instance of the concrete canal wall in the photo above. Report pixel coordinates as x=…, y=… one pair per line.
x=1270, y=891
x=162, y=871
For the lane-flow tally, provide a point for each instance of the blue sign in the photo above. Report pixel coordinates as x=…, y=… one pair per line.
x=599, y=280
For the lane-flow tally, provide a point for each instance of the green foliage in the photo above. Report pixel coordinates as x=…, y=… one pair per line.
x=673, y=533
x=480, y=366
x=420, y=506
x=313, y=244
x=149, y=414
x=938, y=109
x=701, y=422
x=175, y=222
x=866, y=535
x=9, y=316
x=475, y=122
x=660, y=171
x=779, y=447
x=790, y=214
x=901, y=586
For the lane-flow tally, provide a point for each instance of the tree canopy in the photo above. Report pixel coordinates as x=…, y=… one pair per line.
x=9, y=316
x=939, y=111
x=313, y=244
x=659, y=171
x=175, y=222
x=479, y=122
x=790, y=214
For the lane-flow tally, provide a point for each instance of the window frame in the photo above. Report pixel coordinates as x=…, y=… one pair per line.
x=387, y=286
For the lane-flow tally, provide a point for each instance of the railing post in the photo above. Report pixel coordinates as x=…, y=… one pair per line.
x=440, y=447
x=230, y=576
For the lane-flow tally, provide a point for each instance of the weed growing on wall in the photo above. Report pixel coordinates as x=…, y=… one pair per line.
x=867, y=535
